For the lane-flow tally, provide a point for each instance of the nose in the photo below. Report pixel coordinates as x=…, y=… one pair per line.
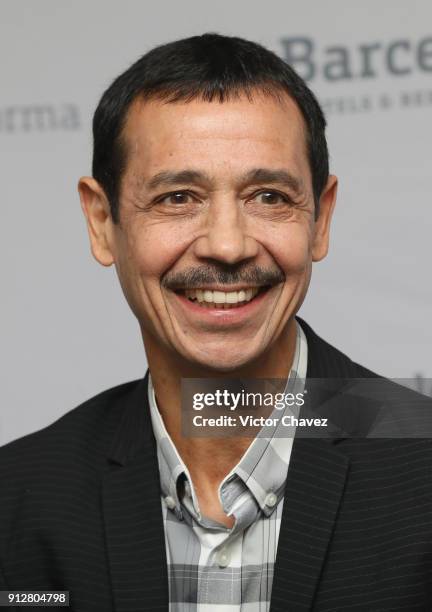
x=224, y=238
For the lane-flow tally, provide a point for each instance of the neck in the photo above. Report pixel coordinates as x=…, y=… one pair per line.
x=210, y=459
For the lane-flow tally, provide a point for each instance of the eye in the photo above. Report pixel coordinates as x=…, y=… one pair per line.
x=175, y=197
x=270, y=197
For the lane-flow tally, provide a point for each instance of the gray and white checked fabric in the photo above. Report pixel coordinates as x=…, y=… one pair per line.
x=212, y=568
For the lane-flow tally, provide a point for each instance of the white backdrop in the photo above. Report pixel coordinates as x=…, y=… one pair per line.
x=66, y=330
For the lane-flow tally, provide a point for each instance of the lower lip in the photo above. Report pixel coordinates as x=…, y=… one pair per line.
x=222, y=316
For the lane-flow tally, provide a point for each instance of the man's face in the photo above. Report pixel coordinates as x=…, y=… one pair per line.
x=216, y=237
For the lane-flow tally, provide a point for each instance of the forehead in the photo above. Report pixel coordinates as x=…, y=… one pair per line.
x=258, y=131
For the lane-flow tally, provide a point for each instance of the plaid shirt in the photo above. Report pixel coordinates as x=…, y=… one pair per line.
x=213, y=568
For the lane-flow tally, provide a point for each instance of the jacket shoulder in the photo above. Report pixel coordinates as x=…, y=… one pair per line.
x=51, y=478
x=80, y=435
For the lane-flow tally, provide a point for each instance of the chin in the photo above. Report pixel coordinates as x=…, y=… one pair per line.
x=224, y=367
x=223, y=361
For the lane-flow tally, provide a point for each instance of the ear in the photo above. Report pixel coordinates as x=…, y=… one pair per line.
x=96, y=209
x=322, y=224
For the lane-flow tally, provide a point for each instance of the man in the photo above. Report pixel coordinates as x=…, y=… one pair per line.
x=212, y=197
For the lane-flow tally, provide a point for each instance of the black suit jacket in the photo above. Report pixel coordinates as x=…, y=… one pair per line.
x=80, y=511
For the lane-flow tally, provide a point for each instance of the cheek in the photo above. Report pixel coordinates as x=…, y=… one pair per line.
x=291, y=251
x=148, y=253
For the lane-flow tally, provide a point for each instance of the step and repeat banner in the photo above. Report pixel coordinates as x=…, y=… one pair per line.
x=67, y=332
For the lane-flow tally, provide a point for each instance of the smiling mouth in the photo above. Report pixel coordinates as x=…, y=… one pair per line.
x=225, y=300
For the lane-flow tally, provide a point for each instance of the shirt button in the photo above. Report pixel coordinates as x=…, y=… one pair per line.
x=223, y=558
x=271, y=500
x=170, y=503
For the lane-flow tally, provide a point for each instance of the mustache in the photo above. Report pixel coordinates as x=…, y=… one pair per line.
x=194, y=278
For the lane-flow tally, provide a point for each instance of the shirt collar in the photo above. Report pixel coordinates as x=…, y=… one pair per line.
x=264, y=465
x=171, y=465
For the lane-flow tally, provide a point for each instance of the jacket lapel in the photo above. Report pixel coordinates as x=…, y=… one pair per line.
x=314, y=489
x=132, y=512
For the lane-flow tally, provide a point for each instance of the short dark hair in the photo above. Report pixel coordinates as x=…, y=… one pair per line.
x=210, y=67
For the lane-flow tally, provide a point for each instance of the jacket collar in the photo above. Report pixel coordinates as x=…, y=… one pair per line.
x=314, y=491
x=131, y=507
x=134, y=432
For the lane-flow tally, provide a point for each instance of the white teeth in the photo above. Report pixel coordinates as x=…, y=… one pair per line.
x=231, y=297
x=221, y=297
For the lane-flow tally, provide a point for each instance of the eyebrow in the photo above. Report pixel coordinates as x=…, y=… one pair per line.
x=256, y=175
x=175, y=178
x=281, y=177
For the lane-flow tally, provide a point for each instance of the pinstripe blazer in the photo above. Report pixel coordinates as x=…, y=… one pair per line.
x=80, y=511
